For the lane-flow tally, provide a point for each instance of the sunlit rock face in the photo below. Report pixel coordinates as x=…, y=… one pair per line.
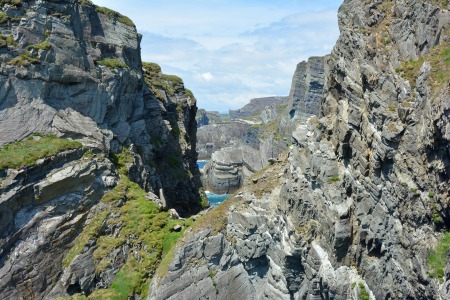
x=74, y=70
x=358, y=203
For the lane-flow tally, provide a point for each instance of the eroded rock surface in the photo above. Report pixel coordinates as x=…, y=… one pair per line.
x=72, y=69
x=359, y=205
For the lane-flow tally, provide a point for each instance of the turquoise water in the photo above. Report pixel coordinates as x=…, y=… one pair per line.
x=201, y=163
x=215, y=199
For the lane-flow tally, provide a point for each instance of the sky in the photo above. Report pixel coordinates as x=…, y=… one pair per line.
x=228, y=52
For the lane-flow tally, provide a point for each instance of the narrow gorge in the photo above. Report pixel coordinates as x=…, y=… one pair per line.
x=339, y=190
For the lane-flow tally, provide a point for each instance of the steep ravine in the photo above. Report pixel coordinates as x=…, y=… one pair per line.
x=90, y=216
x=359, y=209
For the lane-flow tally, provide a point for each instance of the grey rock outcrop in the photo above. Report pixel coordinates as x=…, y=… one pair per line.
x=74, y=70
x=208, y=117
x=213, y=137
x=307, y=88
x=357, y=208
x=229, y=167
x=255, y=107
x=42, y=211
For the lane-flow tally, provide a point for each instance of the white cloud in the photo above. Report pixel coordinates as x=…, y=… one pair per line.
x=228, y=52
x=208, y=76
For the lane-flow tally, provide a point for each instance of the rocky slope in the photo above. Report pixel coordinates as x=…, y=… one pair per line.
x=239, y=148
x=255, y=107
x=265, y=124
x=72, y=69
x=360, y=208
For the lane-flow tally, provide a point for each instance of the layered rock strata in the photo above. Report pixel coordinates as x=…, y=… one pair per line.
x=255, y=107
x=204, y=117
x=72, y=69
x=363, y=199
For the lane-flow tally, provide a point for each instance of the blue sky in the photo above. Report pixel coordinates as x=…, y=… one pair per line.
x=228, y=52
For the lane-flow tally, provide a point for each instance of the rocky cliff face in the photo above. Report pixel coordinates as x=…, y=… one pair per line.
x=71, y=69
x=362, y=200
x=204, y=117
x=307, y=88
x=255, y=107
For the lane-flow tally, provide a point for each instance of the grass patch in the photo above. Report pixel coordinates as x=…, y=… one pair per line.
x=144, y=229
x=111, y=63
x=45, y=45
x=27, y=151
x=189, y=93
x=15, y=3
x=114, y=14
x=120, y=160
x=439, y=58
x=7, y=41
x=158, y=81
x=437, y=258
x=272, y=128
x=85, y=2
x=364, y=294
x=333, y=179
x=3, y=18
x=23, y=60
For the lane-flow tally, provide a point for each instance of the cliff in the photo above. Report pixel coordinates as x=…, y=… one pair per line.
x=255, y=107
x=307, y=88
x=358, y=208
x=204, y=117
x=92, y=140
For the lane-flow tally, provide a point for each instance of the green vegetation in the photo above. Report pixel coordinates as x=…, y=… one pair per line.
x=145, y=230
x=3, y=18
x=158, y=81
x=430, y=195
x=392, y=109
x=152, y=68
x=120, y=160
x=435, y=216
x=15, y=3
x=7, y=41
x=441, y=3
x=27, y=151
x=364, y=294
x=111, y=63
x=332, y=179
x=24, y=60
x=45, y=45
x=437, y=259
x=439, y=58
x=114, y=14
x=225, y=117
x=85, y=2
x=173, y=161
x=272, y=128
x=189, y=93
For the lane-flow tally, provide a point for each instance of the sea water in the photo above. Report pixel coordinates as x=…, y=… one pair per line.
x=215, y=199
x=201, y=163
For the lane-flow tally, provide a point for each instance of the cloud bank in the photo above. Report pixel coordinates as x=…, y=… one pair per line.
x=228, y=52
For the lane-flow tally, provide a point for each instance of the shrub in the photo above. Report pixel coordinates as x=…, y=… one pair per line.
x=45, y=45
x=3, y=18
x=335, y=178
x=437, y=258
x=23, y=60
x=114, y=14
x=364, y=294
x=111, y=63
